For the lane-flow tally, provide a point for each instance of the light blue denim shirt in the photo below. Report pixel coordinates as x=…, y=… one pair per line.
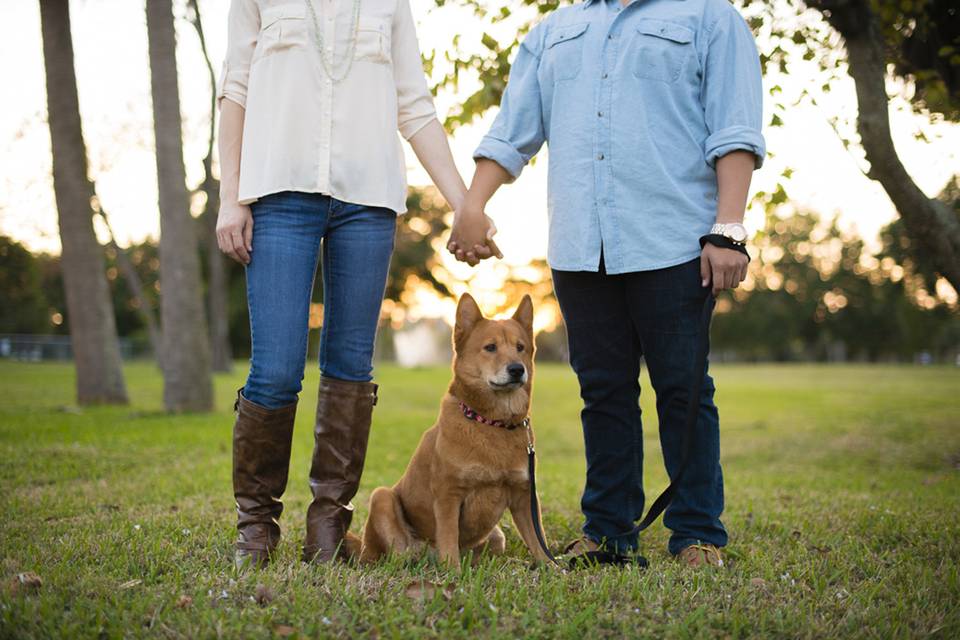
x=636, y=104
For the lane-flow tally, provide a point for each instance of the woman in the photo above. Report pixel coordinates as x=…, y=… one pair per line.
x=316, y=91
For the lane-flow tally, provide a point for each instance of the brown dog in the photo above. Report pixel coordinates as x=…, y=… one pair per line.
x=471, y=465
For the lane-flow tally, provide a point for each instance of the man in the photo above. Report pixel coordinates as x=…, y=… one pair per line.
x=652, y=110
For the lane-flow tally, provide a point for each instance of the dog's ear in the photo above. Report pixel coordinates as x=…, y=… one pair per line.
x=468, y=314
x=524, y=314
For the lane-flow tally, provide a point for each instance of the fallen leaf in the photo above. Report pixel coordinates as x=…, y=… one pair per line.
x=184, y=601
x=284, y=630
x=130, y=584
x=426, y=590
x=759, y=583
x=27, y=582
x=263, y=595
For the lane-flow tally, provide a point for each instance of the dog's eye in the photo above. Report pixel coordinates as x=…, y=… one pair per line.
x=520, y=347
x=490, y=347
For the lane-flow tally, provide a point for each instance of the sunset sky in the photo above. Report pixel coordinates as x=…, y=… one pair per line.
x=113, y=74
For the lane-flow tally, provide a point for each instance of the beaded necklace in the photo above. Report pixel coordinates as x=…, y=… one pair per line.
x=329, y=67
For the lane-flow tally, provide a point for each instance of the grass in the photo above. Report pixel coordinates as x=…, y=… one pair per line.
x=841, y=485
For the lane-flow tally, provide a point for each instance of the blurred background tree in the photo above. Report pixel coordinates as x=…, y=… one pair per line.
x=96, y=351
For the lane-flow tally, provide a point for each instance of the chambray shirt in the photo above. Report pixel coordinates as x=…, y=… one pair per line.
x=636, y=104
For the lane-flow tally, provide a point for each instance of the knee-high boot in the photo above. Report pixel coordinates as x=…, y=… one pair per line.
x=344, y=412
x=261, y=461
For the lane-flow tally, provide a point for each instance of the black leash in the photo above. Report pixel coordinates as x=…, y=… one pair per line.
x=663, y=500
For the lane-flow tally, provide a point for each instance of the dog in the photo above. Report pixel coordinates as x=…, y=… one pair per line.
x=471, y=465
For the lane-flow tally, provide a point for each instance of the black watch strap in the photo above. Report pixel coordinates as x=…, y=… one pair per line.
x=724, y=242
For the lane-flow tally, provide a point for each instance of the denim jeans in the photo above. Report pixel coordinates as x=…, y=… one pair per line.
x=357, y=241
x=612, y=321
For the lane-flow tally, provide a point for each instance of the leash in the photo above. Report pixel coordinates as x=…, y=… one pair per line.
x=664, y=499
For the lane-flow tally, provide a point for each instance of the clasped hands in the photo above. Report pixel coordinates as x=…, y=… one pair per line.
x=471, y=239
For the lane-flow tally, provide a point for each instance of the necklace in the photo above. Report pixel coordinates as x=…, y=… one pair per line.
x=329, y=68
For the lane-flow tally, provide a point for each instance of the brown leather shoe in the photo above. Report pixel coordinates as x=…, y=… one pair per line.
x=261, y=461
x=580, y=546
x=697, y=555
x=344, y=413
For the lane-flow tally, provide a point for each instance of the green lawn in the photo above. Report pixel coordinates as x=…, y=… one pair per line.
x=842, y=487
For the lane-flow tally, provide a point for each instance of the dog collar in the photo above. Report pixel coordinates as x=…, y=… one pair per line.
x=470, y=414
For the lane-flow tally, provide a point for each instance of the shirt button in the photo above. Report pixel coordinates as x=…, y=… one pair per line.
x=599, y=114
x=605, y=76
x=610, y=37
x=600, y=157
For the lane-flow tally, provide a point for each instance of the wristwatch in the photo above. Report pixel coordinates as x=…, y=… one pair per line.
x=733, y=231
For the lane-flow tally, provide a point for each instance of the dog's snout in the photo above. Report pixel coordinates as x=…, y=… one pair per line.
x=516, y=370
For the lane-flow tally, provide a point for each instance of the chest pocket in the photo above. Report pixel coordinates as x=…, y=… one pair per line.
x=281, y=27
x=373, y=39
x=563, y=51
x=661, y=50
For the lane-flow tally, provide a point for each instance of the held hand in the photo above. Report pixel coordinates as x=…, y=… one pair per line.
x=721, y=267
x=235, y=231
x=471, y=239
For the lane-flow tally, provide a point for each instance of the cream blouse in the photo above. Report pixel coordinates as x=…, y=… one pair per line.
x=304, y=132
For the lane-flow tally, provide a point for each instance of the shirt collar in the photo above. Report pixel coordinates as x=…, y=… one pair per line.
x=587, y=3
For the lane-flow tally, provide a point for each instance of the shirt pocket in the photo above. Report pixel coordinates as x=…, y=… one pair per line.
x=563, y=51
x=661, y=50
x=373, y=39
x=282, y=27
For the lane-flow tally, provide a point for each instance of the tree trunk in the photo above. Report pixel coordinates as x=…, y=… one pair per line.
x=218, y=299
x=93, y=329
x=932, y=226
x=186, y=347
x=135, y=284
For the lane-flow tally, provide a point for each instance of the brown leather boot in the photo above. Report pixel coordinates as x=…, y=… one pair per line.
x=261, y=461
x=344, y=412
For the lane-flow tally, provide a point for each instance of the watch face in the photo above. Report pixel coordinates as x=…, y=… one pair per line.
x=737, y=232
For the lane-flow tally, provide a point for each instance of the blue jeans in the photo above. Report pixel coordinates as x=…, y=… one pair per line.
x=357, y=243
x=612, y=321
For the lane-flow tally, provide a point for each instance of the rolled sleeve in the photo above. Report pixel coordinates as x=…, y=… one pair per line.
x=734, y=138
x=415, y=108
x=243, y=25
x=517, y=133
x=731, y=91
x=501, y=152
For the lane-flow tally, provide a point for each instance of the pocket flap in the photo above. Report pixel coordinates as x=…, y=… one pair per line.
x=566, y=32
x=371, y=23
x=271, y=14
x=664, y=29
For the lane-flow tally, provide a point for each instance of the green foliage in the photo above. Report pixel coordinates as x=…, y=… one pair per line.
x=923, y=43
x=418, y=241
x=841, y=487
x=819, y=294
x=490, y=67
x=23, y=305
